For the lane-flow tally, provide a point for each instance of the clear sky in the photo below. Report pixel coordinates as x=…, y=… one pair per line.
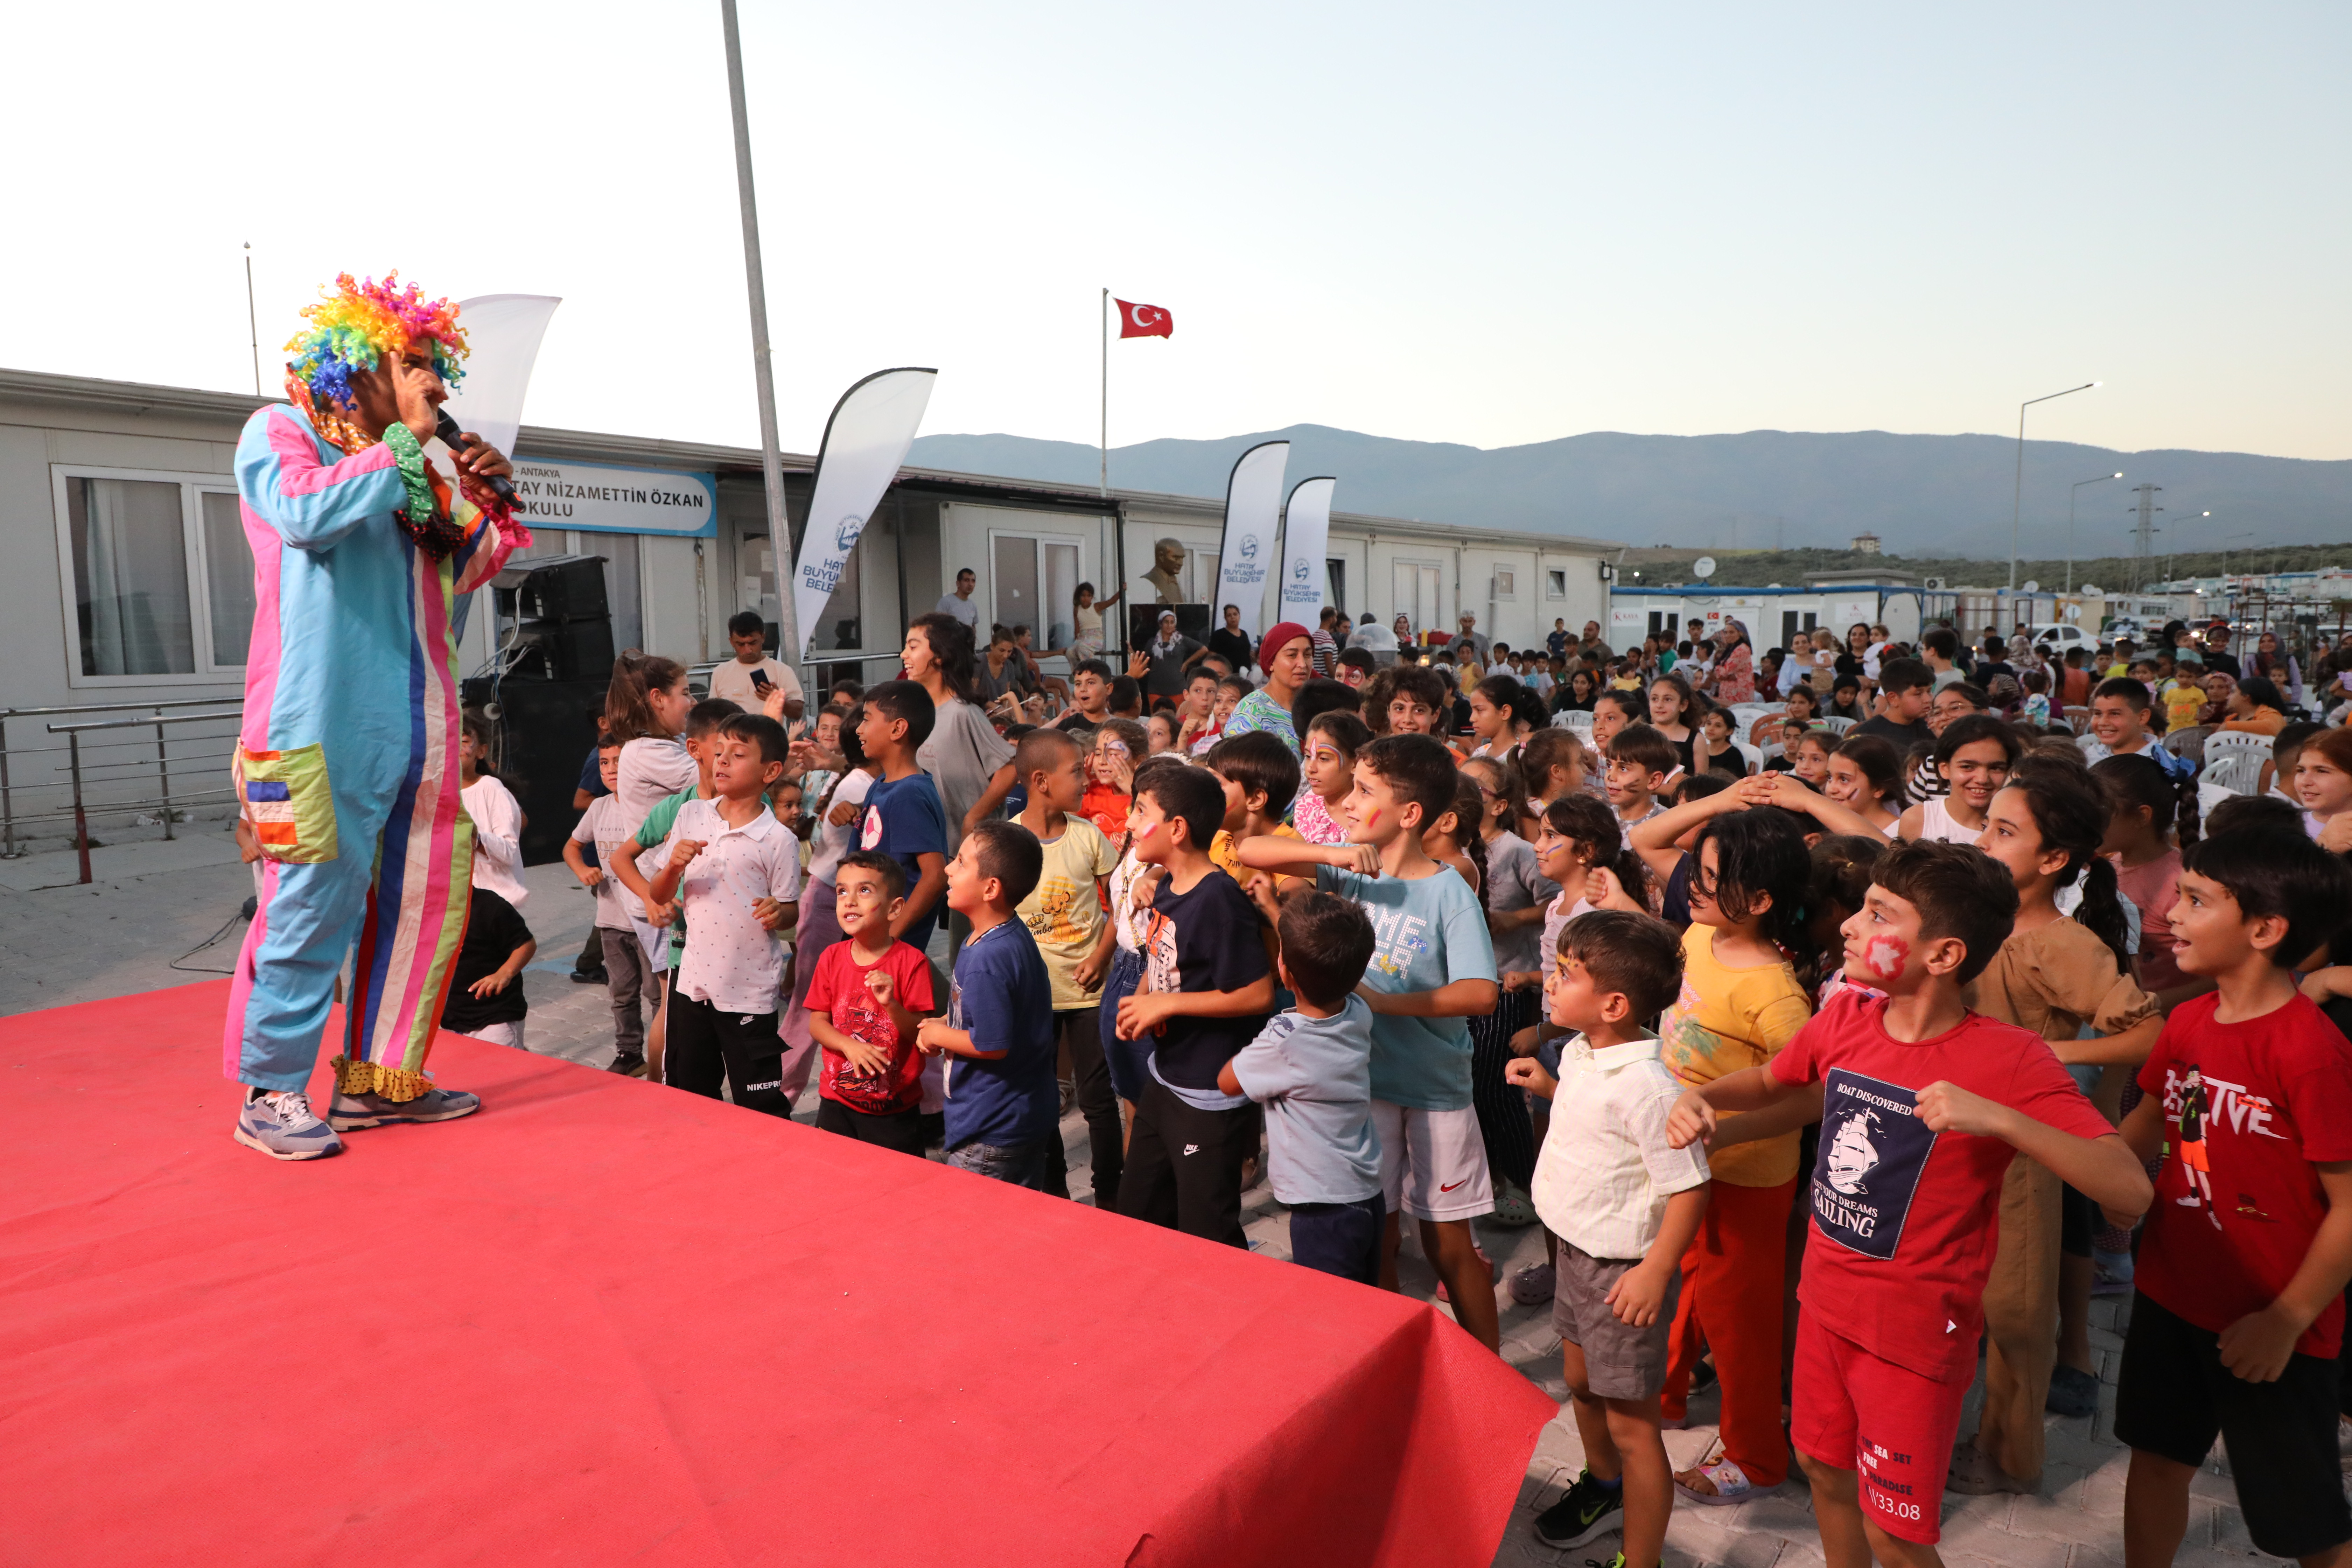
x=1487, y=224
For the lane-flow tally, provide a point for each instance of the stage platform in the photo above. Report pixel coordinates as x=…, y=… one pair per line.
x=603, y=1322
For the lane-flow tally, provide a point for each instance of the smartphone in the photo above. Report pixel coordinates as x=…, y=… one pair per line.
x=760, y=681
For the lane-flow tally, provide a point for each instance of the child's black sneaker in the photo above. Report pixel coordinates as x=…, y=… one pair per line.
x=1589, y=1509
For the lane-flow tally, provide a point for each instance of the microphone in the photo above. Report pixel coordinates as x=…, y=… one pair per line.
x=454, y=438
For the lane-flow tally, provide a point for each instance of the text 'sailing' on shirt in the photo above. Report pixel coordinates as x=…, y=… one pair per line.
x=1874, y=1148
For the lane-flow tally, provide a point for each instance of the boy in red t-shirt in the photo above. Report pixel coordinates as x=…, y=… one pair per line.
x=1923, y=1104
x=2242, y=1267
x=869, y=995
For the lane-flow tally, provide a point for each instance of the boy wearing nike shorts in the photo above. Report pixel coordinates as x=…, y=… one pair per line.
x=1923, y=1105
x=1432, y=969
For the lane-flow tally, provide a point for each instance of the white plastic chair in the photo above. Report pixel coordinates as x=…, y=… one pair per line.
x=2238, y=770
x=1838, y=726
x=1572, y=719
x=1754, y=758
x=2223, y=743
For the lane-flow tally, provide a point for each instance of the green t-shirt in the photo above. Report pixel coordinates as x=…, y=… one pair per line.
x=657, y=823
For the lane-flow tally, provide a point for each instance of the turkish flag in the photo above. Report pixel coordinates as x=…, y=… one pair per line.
x=1144, y=321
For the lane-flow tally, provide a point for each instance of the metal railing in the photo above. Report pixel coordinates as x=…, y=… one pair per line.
x=133, y=774
x=73, y=734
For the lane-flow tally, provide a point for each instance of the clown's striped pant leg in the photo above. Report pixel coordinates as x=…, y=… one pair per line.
x=415, y=920
x=304, y=923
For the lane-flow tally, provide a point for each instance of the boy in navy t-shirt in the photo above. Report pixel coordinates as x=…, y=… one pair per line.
x=1206, y=990
x=904, y=818
x=1002, y=1100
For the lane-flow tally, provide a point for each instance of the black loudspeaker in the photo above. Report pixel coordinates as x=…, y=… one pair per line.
x=554, y=588
x=562, y=623
x=543, y=731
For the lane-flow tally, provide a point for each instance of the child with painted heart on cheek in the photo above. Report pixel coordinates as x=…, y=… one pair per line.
x=1923, y=1105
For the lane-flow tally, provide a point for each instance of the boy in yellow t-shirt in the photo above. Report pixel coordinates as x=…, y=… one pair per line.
x=1065, y=914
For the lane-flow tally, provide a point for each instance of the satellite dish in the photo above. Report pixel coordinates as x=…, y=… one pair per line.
x=1704, y=566
x=2032, y=586
x=2092, y=588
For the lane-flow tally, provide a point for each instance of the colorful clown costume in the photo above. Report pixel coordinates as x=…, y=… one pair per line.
x=347, y=761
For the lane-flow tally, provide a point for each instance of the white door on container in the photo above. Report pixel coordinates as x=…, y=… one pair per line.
x=1035, y=582
x=1015, y=582
x=1416, y=583
x=1057, y=589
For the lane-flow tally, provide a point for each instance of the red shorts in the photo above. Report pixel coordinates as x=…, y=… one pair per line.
x=1900, y=1460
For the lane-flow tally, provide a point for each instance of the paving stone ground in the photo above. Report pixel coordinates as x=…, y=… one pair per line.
x=150, y=907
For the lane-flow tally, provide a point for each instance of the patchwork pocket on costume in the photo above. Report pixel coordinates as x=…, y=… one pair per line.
x=284, y=796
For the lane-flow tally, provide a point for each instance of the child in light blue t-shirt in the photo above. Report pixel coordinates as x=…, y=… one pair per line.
x=1311, y=1069
x=1431, y=970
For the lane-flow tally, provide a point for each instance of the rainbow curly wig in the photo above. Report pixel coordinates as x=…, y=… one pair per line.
x=357, y=323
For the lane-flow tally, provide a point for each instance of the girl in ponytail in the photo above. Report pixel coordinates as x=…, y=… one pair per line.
x=2054, y=975
x=647, y=698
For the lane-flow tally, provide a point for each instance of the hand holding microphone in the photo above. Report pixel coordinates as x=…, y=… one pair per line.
x=455, y=439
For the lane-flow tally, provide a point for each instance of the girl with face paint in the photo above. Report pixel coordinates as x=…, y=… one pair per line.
x=2055, y=975
x=1739, y=1007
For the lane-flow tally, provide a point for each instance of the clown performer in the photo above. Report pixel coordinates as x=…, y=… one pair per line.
x=346, y=766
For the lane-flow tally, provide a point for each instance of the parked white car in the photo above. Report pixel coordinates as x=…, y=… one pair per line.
x=2059, y=638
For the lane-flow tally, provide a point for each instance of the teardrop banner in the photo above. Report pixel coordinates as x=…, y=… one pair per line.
x=1252, y=519
x=502, y=337
x=864, y=442
x=1306, y=528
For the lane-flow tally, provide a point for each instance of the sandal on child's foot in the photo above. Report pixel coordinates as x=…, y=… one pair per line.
x=2073, y=1392
x=1512, y=1206
x=1717, y=1484
x=1534, y=1287
x=1974, y=1474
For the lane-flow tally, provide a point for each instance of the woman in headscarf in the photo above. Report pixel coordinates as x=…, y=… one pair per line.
x=1732, y=678
x=2275, y=665
x=1169, y=655
x=2254, y=705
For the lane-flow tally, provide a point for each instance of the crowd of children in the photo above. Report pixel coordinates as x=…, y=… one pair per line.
x=1934, y=989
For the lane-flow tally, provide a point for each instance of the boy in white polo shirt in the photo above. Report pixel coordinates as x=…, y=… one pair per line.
x=1625, y=1204
x=725, y=855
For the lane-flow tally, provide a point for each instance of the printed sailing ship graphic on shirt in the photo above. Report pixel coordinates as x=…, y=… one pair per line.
x=1851, y=1156
x=1874, y=1149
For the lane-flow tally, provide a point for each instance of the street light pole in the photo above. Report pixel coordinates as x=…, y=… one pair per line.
x=2017, y=504
x=771, y=467
x=2072, y=495
x=2169, y=555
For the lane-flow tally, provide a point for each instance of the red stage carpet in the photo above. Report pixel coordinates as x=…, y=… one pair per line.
x=603, y=1322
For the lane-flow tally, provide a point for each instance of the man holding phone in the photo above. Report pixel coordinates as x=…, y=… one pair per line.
x=751, y=675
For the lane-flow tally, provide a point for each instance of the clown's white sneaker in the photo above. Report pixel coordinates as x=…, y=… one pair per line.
x=284, y=1127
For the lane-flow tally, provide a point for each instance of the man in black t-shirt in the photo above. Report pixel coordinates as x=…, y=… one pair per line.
x=486, y=998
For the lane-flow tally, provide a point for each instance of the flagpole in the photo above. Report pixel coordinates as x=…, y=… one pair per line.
x=1102, y=320
x=771, y=470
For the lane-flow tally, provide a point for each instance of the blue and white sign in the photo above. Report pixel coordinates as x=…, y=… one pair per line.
x=602, y=499
x=1252, y=513
x=1306, y=529
x=864, y=442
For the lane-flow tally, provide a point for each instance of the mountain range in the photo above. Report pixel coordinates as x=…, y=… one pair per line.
x=1922, y=495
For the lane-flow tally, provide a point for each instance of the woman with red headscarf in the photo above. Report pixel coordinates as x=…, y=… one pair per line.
x=1287, y=654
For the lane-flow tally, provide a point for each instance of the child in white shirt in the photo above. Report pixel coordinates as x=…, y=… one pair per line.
x=724, y=856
